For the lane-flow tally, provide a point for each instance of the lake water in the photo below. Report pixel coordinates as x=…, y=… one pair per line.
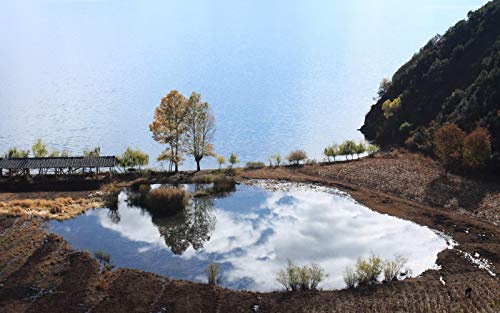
x=251, y=233
x=279, y=74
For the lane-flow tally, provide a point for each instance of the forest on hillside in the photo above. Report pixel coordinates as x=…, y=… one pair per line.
x=454, y=78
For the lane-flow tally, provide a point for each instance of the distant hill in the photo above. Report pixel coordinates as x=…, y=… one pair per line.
x=454, y=78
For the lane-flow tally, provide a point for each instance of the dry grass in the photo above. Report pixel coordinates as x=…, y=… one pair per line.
x=166, y=200
x=58, y=208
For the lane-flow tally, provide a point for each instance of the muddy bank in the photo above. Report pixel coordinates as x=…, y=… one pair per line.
x=39, y=272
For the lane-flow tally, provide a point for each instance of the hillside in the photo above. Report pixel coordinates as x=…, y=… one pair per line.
x=454, y=78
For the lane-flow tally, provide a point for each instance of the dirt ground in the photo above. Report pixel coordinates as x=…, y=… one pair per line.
x=40, y=272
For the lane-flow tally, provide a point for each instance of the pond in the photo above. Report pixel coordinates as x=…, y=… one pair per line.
x=251, y=233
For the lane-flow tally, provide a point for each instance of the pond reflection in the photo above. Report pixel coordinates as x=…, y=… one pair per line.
x=251, y=233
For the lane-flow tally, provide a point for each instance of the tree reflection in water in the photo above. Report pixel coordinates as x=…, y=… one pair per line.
x=191, y=227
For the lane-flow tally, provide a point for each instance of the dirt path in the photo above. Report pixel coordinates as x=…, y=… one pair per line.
x=39, y=272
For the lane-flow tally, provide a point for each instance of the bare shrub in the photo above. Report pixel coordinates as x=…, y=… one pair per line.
x=350, y=277
x=294, y=277
x=392, y=268
x=213, y=274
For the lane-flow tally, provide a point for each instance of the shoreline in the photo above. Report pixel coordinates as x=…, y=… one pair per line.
x=458, y=269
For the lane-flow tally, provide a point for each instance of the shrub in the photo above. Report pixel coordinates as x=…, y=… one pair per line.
x=392, y=268
x=221, y=160
x=448, y=143
x=102, y=256
x=368, y=270
x=350, y=277
x=223, y=184
x=405, y=127
x=255, y=165
x=311, y=161
x=92, y=153
x=294, y=277
x=213, y=274
x=477, y=148
x=295, y=157
x=233, y=159
x=166, y=201
x=39, y=149
x=372, y=149
x=15, y=153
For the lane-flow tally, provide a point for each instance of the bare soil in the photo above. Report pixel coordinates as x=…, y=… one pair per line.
x=40, y=272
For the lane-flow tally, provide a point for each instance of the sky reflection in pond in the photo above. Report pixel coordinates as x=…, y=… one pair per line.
x=251, y=233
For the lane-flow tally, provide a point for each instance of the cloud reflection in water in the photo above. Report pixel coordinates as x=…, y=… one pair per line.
x=252, y=233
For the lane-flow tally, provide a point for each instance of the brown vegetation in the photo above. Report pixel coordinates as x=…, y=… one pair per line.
x=166, y=200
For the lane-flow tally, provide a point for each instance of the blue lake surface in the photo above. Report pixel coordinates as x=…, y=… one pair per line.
x=252, y=233
x=279, y=74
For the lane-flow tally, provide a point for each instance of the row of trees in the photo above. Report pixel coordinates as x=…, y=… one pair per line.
x=40, y=150
x=455, y=149
x=185, y=126
x=349, y=147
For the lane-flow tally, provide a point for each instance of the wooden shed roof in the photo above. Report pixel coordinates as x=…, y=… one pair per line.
x=57, y=162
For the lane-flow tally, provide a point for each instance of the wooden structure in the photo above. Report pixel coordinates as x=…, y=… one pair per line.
x=55, y=165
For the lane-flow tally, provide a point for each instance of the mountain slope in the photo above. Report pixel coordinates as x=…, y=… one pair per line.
x=455, y=78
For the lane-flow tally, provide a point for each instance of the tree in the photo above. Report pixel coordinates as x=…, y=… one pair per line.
x=348, y=147
x=448, y=143
x=233, y=159
x=332, y=151
x=169, y=126
x=132, y=158
x=39, y=149
x=296, y=156
x=372, y=149
x=360, y=148
x=92, y=153
x=477, y=148
x=221, y=160
x=54, y=154
x=15, y=153
x=391, y=106
x=200, y=128
x=384, y=86
x=277, y=159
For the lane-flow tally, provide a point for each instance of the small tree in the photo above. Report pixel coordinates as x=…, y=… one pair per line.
x=372, y=149
x=213, y=274
x=15, y=153
x=132, y=158
x=448, y=143
x=477, y=148
x=277, y=159
x=348, y=147
x=295, y=157
x=332, y=152
x=384, y=86
x=360, y=148
x=233, y=159
x=221, y=160
x=39, y=149
x=92, y=153
x=200, y=129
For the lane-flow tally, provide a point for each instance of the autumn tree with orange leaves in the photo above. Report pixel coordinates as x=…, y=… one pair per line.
x=184, y=126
